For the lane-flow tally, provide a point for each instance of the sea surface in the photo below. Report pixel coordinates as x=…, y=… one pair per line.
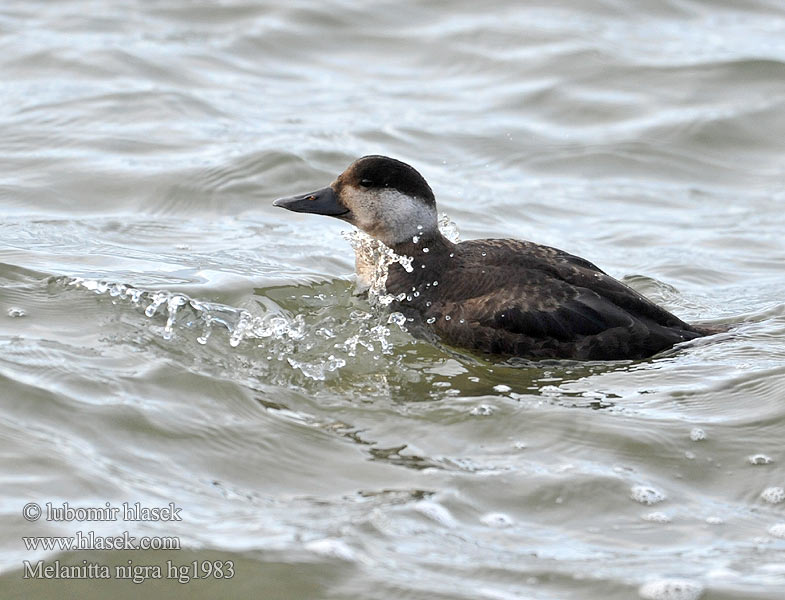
x=168, y=336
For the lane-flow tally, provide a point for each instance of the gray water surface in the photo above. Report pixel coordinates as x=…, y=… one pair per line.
x=166, y=335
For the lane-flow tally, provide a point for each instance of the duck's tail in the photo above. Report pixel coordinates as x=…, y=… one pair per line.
x=712, y=328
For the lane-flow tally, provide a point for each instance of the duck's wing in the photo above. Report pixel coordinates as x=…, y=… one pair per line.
x=581, y=272
x=577, y=272
x=541, y=302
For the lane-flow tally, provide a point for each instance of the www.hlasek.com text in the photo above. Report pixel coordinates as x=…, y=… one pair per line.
x=88, y=540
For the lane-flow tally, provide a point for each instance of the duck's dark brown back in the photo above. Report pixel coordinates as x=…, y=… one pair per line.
x=517, y=298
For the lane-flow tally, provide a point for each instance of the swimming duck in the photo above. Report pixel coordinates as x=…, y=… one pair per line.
x=497, y=296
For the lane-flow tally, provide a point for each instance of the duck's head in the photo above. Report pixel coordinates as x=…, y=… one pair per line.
x=384, y=197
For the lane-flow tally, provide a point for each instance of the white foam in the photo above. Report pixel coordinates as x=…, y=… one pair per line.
x=646, y=495
x=773, y=495
x=760, y=459
x=498, y=520
x=332, y=548
x=697, y=434
x=436, y=512
x=657, y=517
x=671, y=589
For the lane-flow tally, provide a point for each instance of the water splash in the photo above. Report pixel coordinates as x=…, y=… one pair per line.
x=378, y=257
x=449, y=229
x=239, y=323
x=318, y=371
x=374, y=254
x=289, y=339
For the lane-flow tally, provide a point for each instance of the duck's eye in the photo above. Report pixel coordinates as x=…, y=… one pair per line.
x=366, y=182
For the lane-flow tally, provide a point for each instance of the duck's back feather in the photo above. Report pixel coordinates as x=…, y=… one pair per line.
x=518, y=298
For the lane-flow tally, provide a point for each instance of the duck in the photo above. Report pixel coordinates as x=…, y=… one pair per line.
x=501, y=297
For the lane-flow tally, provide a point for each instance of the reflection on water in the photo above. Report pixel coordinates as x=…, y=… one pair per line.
x=168, y=336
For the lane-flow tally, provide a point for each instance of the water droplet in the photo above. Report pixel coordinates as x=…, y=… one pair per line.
x=483, y=253
x=157, y=300
x=448, y=228
x=426, y=250
x=501, y=388
x=419, y=227
x=435, y=283
x=416, y=239
x=173, y=304
x=451, y=254
x=398, y=319
x=117, y=289
x=430, y=320
x=447, y=317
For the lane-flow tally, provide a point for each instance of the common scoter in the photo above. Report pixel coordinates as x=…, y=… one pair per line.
x=498, y=296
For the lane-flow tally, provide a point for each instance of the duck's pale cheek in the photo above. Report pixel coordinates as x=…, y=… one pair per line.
x=366, y=225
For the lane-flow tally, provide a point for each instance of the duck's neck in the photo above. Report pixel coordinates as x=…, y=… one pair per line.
x=430, y=256
x=424, y=247
x=429, y=247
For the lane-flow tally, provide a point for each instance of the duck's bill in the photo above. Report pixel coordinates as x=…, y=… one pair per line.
x=320, y=202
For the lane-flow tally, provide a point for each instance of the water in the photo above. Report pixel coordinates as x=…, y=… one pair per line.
x=169, y=336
